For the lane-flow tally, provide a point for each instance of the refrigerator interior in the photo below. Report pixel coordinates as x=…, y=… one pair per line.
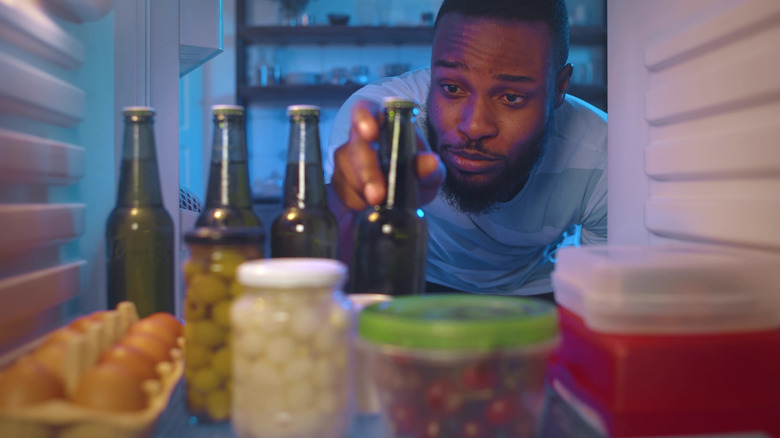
x=694, y=100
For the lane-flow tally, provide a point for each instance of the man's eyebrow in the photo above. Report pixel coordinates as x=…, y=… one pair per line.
x=513, y=78
x=501, y=76
x=449, y=64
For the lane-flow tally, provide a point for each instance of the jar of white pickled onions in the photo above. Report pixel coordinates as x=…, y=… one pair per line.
x=291, y=355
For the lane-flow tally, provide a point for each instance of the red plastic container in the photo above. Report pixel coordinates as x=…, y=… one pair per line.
x=669, y=385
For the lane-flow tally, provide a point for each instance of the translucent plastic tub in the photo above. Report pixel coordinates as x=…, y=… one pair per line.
x=668, y=289
x=459, y=365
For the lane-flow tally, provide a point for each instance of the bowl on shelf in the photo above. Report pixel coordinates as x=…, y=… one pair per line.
x=338, y=19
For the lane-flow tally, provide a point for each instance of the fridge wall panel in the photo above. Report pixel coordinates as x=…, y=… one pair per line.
x=694, y=104
x=34, y=159
x=58, y=174
x=40, y=34
x=50, y=122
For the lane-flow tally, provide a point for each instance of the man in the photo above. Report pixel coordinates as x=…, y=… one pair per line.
x=525, y=162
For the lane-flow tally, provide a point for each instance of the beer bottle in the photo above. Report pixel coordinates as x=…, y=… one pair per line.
x=139, y=231
x=305, y=227
x=228, y=193
x=391, y=240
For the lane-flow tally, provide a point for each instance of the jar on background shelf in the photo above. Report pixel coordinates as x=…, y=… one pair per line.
x=291, y=355
x=211, y=287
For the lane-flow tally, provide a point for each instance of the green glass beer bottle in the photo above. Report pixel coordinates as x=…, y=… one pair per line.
x=228, y=193
x=139, y=231
x=305, y=227
x=391, y=239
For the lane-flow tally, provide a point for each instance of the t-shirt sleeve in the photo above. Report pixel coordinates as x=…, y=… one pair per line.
x=594, y=223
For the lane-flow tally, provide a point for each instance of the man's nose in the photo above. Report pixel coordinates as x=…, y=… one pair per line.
x=478, y=120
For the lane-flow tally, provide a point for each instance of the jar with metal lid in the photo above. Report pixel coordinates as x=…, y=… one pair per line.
x=211, y=287
x=291, y=355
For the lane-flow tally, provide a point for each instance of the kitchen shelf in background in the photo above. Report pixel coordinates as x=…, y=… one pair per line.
x=286, y=94
x=329, y=35
x=376, y=35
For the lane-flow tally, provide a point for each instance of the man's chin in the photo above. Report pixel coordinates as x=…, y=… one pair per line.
x=468, y=196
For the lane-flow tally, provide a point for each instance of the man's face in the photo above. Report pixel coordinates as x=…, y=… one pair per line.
x=491, y=97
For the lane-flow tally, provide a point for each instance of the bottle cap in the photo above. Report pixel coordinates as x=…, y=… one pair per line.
x=302, y=110
x=228, y=110
x=398, y=102
x=138, y=111
x=459, y=322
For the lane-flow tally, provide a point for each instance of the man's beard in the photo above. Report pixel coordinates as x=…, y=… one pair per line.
x=485, y=198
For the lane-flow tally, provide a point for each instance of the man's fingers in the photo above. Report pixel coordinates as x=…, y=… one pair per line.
x=365, y=125
x=431, y=172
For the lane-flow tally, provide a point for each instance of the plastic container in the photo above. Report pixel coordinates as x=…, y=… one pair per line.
x=459, y=365
x=668, y=289
x=63, y=417
x=366, y=396
x=668, y=385
x=291, y=355
x=211, y=288
x=666, y=341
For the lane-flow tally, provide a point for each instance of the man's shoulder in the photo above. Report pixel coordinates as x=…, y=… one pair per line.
x=580, y=122
x=576, y=109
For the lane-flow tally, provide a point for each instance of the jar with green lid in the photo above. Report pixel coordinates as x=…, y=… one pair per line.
x=211, y=287
x=459, y=365
x=291, y=355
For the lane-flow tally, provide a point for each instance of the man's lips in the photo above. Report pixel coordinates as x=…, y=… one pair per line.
x=471, y=161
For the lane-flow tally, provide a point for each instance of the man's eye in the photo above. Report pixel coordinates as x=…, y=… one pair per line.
x=450, y=89
x=514, y=99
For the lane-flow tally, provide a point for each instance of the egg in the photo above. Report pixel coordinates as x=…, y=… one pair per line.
x=150, y=345
x=51, y=356
x=170, y=321
x=110, y=387
x=138, y=363
x=82, y=324
x=26, y=383
x=154, y=328
x=64, y=334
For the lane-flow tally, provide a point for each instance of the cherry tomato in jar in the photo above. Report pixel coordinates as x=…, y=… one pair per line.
x=431, y=428
x=479, y=376
x=404, y=418
x=503, y=409
x=475, y=428
x=442, y=396
x=523, y=427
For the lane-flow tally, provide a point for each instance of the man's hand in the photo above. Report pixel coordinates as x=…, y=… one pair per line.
x=357, y=178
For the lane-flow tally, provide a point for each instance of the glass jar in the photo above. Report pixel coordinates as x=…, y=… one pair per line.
x=211, y=287
x=459, y=365
x=291, y=355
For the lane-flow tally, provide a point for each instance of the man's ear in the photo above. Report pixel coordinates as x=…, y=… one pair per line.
x=562, y=83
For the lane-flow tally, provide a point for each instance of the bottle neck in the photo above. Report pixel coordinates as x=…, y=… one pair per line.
x=139, y=178
x=304, y=182
x=397, y=155
x=228, y=182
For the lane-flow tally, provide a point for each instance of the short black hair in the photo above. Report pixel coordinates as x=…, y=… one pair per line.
x=552, y=12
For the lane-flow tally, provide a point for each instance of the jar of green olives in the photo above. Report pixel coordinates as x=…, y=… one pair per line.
x=211, y=287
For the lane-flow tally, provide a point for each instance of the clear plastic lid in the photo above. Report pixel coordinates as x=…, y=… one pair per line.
x=668, y=289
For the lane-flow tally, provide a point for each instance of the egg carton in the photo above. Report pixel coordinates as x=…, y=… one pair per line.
x=61, y=418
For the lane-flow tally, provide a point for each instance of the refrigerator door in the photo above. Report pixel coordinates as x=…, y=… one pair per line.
x=694, y=103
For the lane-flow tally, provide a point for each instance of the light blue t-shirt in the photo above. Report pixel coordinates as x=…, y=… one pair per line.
x=511, y=249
